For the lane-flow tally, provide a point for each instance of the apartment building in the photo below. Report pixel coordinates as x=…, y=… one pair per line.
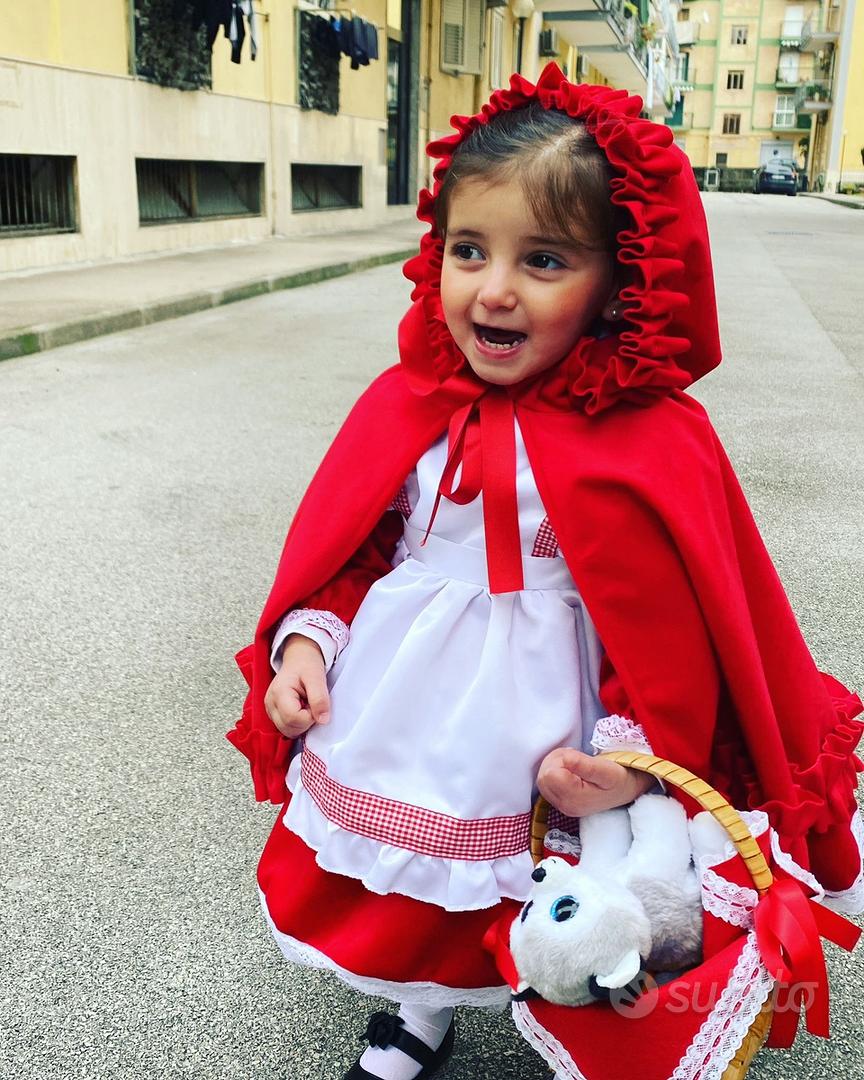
x=763, y=79
x=122, y=132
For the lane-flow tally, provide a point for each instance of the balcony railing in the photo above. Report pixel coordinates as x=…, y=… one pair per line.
x=813, y=39
x=787, y=77
x=685, y=122
x=814, y=97
x=790, y=33
x=687, y=31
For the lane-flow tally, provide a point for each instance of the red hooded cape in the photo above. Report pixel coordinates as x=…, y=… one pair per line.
x=648, y=513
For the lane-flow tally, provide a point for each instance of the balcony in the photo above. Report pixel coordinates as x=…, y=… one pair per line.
x=681, y=123
x=791, y=33
x=789, y=121
x=688, y=31
x=607, y=32
x=814, y=97
x=787, y=78
x=813, y=40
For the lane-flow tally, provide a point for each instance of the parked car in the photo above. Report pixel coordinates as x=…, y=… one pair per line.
x=777, y=176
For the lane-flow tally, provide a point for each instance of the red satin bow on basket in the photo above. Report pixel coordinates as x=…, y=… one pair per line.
x=788, y=927
x=482, y=439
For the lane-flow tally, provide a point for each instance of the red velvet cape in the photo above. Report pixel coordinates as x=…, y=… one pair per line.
x=648, y=513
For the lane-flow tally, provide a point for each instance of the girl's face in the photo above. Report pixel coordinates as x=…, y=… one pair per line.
x=515, y=302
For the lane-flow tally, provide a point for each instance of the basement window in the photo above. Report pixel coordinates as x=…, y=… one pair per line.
x=37, y=194
x=326, y=187
x=171, y=191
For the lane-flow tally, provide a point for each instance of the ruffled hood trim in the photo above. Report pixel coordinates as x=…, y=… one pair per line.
x=670, y=336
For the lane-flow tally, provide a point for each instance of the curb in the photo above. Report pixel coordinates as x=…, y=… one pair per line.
x=838, y=200
x=33, y=339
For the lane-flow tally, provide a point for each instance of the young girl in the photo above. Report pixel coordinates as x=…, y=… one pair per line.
x=525, y=545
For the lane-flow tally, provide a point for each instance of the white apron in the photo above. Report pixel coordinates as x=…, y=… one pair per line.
x=443, y=704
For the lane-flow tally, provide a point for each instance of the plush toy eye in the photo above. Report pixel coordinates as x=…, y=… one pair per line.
x=564, y=908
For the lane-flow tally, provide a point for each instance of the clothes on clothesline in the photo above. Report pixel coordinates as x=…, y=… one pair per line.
x=357, y=39
x=232, y=16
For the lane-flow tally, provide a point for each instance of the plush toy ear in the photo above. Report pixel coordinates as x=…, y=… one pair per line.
x=524, y=992
x=627, y=968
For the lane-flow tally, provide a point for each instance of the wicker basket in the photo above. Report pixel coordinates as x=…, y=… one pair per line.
x=746, y=846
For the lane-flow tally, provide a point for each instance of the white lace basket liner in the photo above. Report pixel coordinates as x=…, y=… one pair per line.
x=738, y=1022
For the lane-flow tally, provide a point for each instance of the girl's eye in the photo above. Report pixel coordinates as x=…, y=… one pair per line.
x=564, y=908
x=467, y=252
x=544, y=261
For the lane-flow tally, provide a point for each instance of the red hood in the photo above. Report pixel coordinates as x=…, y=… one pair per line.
x=671, y=336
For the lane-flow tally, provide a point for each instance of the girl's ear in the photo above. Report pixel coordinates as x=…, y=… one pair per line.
x=613, y=308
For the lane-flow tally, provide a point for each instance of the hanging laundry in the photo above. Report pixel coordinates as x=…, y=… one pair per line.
x=371, y=40
x=230, y=16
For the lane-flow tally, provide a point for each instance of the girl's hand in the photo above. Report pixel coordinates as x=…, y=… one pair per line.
x=578, y=784
x=298, y=698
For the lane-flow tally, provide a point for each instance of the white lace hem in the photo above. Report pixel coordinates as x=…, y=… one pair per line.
x=713, y=1046
x=735, y=903
x=417, y=993
x=726, y=1026
x=323, y=627
x=619, y=733
x=452, y=884
x=725, y=900
x=850, y=901
x=545, y=1043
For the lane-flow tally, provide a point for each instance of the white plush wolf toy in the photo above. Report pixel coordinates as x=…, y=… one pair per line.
x=631, y=904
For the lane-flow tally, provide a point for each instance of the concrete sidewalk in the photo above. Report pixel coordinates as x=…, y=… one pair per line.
x=855, y=202
x=58, y=307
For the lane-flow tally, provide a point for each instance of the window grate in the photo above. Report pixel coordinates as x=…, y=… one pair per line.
x=325, y=187
x=731, y=123
x=37, y=194
x=193, y=190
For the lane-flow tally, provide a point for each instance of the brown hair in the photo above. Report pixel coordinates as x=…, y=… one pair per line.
x=564, y=173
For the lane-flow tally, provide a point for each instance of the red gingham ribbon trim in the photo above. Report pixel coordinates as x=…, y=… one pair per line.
x=402, y=503
x=546, y=543
x=403, y=825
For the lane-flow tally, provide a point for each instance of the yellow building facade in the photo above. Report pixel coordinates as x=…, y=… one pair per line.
x=763, y=79
x=98, y=161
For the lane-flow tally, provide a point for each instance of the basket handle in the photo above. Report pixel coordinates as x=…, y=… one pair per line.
x=697, y=789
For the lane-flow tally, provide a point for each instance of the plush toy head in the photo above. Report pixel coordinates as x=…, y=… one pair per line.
x=577, y=927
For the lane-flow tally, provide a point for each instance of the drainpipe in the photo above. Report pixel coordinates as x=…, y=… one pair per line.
x=522, y=9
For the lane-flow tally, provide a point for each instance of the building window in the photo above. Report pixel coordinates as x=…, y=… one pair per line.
x=720, y=160
x=683, y=67
x=784, y=111
x=731, y=123
x=739, y=35
x=326, y=187
x=461, y=35
x=37, y=194
x=192, y=190
x=496, y=49
x=734, y=80
x=684, y=14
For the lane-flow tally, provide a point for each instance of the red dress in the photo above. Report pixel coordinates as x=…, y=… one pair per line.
x=702, y=647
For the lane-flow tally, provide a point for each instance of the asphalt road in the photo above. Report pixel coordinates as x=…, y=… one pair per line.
x=147, y=482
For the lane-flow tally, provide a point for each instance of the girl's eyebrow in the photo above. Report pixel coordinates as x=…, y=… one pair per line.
x=550, y=241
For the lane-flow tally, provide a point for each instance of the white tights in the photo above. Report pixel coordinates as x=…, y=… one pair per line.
x=429, y=1025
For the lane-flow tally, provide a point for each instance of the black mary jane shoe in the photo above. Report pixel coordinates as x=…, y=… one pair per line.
x=385, y=1029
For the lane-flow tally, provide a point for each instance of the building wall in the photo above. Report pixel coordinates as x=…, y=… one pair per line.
x=65, y=88
x=843, y=145
x=712, y=57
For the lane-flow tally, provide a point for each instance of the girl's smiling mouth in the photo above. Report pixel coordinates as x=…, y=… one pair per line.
x=497, y=342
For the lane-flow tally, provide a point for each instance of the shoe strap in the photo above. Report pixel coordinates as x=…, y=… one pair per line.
x=384, y=1029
